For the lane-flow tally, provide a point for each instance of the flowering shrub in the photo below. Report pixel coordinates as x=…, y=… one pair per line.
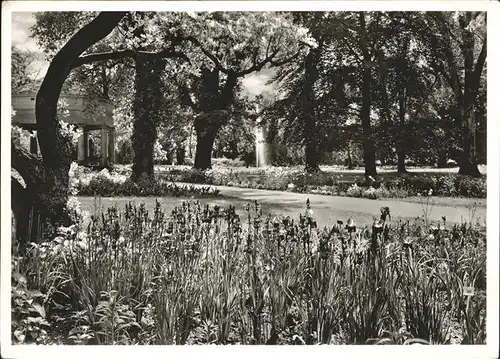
x=21, y=137
x=354, y=191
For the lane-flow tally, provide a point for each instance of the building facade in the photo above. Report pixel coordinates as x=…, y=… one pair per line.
x=90, y=116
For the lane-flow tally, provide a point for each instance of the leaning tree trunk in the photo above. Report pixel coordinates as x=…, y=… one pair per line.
x=147, y=106
x=368, y=147
x=47, y=181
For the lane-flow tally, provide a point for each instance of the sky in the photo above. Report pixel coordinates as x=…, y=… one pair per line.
x=254, y=84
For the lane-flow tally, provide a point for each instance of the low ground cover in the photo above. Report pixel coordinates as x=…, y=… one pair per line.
x=207, y=274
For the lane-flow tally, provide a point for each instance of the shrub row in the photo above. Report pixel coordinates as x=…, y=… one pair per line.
x=86, y=183
x=325, y=183
x=105, y=187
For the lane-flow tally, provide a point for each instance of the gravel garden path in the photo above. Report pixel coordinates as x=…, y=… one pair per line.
x=327, y=209
x=330, y=208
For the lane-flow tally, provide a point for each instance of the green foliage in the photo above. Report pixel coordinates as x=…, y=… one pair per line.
x=111, y=185
x=23, y=75
x=29, y=322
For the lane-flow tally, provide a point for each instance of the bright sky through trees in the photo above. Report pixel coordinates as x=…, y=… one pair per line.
x=254, y=83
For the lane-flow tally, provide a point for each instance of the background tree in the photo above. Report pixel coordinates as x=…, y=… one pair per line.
x=402, y=87
x=23, y=76
x=457, y=51
x=311, y=94
x=230, y=46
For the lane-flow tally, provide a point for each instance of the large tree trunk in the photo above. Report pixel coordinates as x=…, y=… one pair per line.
x=441, y=162
x=146, y=108
x=349, y=156
x=368, y=147
x=49, y=185
x=312, y=157
x=468, y=163
x=214, y=106
x=204, y=145
x=206, y=126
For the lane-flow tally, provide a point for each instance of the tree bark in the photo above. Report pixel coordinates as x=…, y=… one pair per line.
x=204, y=145
x=308, y=112
x=54, y=146
x=349, y=156
x=213, y=113
x=401, y=160
x=468, y=163
x=206, y=126
x=368, y=147
x=402, y=133
x=147, y=106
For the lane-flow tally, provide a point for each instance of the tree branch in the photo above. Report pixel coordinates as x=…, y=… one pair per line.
x=478, y=68
x=208, y=54
x=106, y=56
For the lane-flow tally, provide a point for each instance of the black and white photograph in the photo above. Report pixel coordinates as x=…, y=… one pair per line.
x=234, y=176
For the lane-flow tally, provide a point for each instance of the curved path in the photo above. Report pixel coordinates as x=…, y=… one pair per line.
x=327, y=209
x=331, y=208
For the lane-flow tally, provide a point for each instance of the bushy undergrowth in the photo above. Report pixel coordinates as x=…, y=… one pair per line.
x=202, y=275
x=114, y=184
x=296, y=180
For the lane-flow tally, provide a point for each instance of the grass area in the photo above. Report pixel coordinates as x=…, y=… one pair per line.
x=196, y=274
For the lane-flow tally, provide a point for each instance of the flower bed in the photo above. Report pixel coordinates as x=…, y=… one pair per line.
x=296, y=180
x=203, y=275
x=111, y=184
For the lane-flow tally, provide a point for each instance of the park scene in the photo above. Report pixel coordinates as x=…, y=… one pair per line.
x=279, y=178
